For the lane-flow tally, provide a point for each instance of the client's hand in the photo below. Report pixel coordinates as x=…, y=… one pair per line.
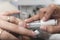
x=52, y=11
x=10, y=24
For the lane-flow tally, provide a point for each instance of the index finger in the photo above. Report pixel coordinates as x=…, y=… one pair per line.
x=33, y=18
x=15, y=28
x=38, y=16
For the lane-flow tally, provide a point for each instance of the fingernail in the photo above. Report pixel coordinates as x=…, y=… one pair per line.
x=33, y=33
x=43, y=19
x=37, y=32
x=41, y=27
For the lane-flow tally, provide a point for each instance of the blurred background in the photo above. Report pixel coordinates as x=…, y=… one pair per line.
x=30, y=7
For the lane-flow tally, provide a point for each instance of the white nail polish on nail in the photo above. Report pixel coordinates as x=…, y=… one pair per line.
x=43, y=19
x=37, y=32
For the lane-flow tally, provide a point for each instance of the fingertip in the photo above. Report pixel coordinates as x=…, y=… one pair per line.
x=43, y=28
x=43, y=19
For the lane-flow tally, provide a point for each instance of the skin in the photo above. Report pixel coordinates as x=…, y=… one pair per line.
x=4, y=34
x=52, y=11
x=14, y=25
x=7, y=36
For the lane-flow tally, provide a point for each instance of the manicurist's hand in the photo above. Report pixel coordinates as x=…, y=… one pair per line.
x=50, y=12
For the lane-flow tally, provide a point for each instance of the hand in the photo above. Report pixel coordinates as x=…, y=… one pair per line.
x=52, y=11
x=5, y=35
x=12, y=26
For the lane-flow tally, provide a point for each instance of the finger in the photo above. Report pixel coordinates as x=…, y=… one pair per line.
x=14, y=20
x=50, y=29
x=38, y=16
x=33, y=18
x=49, y=12
x=15, y=28
x=10, y=12
x=4, y=35
x=11, y=19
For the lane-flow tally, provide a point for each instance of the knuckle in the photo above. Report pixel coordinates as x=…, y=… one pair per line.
x=13, y=18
